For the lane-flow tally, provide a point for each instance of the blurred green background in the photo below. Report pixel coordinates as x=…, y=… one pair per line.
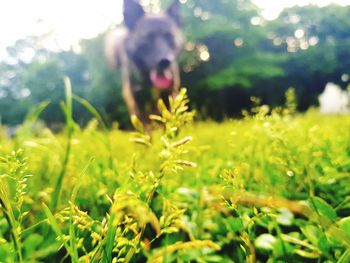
x=232, y=53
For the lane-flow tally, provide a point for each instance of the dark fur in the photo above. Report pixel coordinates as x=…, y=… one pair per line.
x=148, y=43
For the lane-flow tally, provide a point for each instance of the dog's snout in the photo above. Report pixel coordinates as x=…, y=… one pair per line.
x=164, y=63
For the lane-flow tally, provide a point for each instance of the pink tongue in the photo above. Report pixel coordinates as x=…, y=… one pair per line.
x=160, y=81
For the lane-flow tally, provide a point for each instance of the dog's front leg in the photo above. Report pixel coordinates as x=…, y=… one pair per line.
x=128, y=93
x=133, y=108
x=130, y=100
x=177, y=83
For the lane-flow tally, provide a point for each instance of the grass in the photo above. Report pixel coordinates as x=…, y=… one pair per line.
x=272, y=187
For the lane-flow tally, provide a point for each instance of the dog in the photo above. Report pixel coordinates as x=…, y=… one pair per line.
x=146, y=51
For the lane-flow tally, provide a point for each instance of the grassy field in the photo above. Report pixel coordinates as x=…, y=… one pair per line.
x=272, y=187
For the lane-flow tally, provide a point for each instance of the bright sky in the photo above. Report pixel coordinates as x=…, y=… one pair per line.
x=72, y=20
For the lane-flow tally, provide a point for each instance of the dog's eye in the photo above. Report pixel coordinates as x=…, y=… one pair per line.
x=151, y=35
x=144, y=47
x=169, y=37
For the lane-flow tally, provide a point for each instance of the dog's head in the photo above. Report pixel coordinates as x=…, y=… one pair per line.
x=154, y=41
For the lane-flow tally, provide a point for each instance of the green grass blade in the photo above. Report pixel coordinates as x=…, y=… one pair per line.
x=56, y=228
x=345, y=258
x=79, y=181
x=6, y=207
x=69, y=102
x=72, y=239
x=98, y=116
x=109, y=241
x=35, y=112
x=58, y=186
x=92, y=110
x=67, y=108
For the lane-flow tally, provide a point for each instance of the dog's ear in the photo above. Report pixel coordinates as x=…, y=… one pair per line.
x=133, y=11
x=174, y=11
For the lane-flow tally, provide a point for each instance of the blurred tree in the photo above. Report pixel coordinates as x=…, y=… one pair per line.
x=317, y=41
x=31, y=74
